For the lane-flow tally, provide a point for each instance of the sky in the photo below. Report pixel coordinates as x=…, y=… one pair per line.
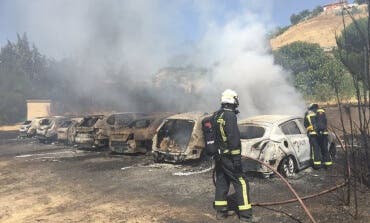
x=18, y=16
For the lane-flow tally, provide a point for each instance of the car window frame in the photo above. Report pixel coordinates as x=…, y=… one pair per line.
x=255, y=125
x=288, y=122
x=148, y=122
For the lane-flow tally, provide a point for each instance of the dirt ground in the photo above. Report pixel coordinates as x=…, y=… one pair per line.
x=54, y=183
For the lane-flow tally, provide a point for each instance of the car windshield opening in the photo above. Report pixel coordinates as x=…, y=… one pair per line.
x=140, y=124
x=45, y=122
x=65, y=124
x=175, y=133
x=89, y=122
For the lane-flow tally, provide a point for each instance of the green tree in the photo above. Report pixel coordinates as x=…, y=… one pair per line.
x=23, y=71
x=294, y=19
x=316, y=11
x=352, y=50
x=314, y=71
x=360, y=1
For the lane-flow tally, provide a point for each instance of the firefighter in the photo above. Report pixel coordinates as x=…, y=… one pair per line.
x=228, y=162
x=310, y=122
x=323, y=137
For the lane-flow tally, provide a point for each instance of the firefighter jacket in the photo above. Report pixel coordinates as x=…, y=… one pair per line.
x=321, y=122
x=310, y=122
x=229, y=132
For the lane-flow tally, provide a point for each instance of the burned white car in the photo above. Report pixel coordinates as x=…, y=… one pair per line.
x=65, y=130
x=137, y=137
x=23, y=128
x=35, y=123
x=278, y=140
x=47, y=129
x=110, y=123
x=179, y=138
x=84, y=132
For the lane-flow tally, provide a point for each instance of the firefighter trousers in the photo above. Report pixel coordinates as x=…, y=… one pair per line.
x=315, y=151
x=323, y=141
x=225, y=174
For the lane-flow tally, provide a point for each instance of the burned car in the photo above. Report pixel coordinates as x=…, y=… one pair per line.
x=179, y=138
x=84, y=133
x=23, y=128
x=65, y=130
x=94, y=131
x=137, y=137
x=33, y=127
x=47, y=130
x=110, y=122
x=278, y=140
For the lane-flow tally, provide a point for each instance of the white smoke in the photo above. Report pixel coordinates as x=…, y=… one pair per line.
x=239, y=54
x=135, y=38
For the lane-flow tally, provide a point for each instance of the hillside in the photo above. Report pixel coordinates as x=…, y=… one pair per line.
x=320, y=29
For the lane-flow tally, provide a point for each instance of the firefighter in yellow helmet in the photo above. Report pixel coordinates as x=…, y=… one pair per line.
x=228, y=163
x=317, y=132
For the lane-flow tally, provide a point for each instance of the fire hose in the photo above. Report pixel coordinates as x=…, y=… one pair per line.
x=298, y=198
x=288, y=185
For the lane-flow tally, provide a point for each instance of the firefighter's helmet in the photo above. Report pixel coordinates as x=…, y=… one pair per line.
x=230, y=97
x=313, y=106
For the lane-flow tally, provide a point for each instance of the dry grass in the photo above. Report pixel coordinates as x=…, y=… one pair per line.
x=9, y=127
x=320, y=30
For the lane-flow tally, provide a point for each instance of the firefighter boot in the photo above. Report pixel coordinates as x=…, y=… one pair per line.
x=221, y=215
x=249, y=220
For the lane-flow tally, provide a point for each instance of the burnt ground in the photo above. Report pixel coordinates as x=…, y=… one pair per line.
x=54, y=183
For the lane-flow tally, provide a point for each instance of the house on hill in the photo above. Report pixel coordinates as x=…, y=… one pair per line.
x=337, y=6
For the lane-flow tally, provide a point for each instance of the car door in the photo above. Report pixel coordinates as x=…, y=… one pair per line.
x=305, y=143
x=296, y=140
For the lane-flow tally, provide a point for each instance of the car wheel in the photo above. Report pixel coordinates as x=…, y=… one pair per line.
x=157, y=158
x=287, y=167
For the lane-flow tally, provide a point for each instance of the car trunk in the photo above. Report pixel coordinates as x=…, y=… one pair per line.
x=253, y=139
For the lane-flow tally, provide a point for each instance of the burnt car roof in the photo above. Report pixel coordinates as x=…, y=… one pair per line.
x=189, y=115
x=268, y=119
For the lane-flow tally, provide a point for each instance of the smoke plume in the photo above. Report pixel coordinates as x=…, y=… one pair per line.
x=119, y=47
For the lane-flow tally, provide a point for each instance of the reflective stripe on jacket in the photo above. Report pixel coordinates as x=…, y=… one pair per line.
x=310, y=122
x=229, y=131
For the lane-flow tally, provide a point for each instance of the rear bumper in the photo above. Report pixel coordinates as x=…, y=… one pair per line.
x=62, y=137
x=119, y=146
x=23, y=133
x=86, y=140
x=170, y=157
x=46, y=137
x=129, y=146
x=253, y=166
